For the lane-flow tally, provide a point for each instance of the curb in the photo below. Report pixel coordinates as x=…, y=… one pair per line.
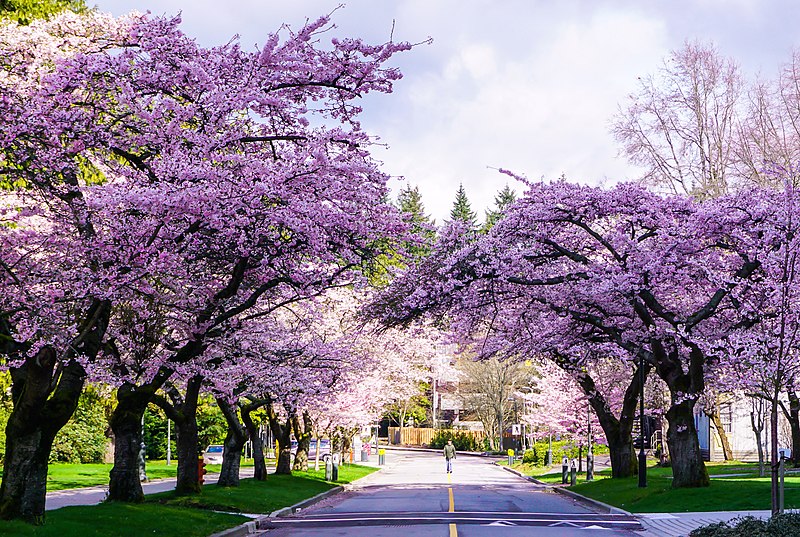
x=284, y=511
x=604, y=507
x=261, y=522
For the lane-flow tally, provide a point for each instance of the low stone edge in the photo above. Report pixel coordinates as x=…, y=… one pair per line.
x=610, y=509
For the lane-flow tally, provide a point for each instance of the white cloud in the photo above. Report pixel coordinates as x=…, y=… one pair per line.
x=528, y=85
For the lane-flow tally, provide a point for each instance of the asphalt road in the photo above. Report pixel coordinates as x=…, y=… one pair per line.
x=414, y=495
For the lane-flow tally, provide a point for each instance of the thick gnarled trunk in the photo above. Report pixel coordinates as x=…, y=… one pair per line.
x=302, y=432
x=685, y=385
x=126, y=424
x=259, y=462
x=688, y=468
x=282, y=433
x=31, y=428
x=232, y=447
x=183, y=412
x=45, y=394
x=617, y=430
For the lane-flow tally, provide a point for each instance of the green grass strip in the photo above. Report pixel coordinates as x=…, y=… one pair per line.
x=124, y=520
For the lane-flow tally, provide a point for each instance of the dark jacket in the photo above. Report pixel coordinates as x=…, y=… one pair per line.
x=449, y=451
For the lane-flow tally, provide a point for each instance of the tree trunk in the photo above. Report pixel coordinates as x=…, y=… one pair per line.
x=773, y=440
x=126, y=426
x=622, y=455
x=616, y=431
x=757, y=423
x=45, y=395
x=186, y=438
x=126, y=423
x=793, y=417
x=259, y=463
x=688, y=469
x=716, y=419
x=30, y=431
x=233, y=446
x=303, y=436
x=283, y=434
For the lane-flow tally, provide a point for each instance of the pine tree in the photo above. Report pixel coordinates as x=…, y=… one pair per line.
x=462, y=209
x=502, y=201
x=409, y=201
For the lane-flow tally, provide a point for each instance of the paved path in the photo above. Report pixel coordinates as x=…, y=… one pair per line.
x=413, y=495
x=680, y=524
x=95, y=495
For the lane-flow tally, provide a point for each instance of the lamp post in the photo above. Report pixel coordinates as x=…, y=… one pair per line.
x=524, y=412
x=589, y=455
x=642, y=456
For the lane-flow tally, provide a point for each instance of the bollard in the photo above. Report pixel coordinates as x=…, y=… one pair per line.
x=328, y=469
x=564, y=470
x=335, y=468
x=510, y=453
x=573, y=474
x=381, y=457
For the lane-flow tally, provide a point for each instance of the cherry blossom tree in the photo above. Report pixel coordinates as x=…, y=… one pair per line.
x=649, y=276
x=210, y=191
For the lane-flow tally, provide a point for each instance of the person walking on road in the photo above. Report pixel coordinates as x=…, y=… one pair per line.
x=449, y=455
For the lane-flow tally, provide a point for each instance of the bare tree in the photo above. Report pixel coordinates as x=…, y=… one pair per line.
x=682, y=123
x=487, y=389
x=769, y=151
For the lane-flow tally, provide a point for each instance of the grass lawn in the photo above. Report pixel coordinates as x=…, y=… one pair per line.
x=124, y=520
x=62, y=476
x=71, y=476
x=263, y=497
x=167, y=514
x=747, y=492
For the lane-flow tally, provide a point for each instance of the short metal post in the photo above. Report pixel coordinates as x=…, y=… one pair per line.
x=573, y=478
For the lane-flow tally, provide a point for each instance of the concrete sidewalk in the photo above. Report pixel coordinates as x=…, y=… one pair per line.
x=680, y=524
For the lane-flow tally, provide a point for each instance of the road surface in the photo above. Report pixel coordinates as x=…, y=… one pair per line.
x=414, y=495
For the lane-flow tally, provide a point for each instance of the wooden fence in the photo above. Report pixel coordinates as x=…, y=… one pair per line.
x=414, y=436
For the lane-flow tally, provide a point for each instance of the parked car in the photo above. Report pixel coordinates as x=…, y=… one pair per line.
x=324, y=449
x=213, y=454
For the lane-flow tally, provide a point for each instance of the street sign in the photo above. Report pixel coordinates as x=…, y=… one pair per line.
x=516, y=429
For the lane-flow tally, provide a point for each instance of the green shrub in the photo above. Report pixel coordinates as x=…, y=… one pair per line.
x=462, y=441
x=83, y=439
x=719, y=529
x=785, y=525
x=531, y=456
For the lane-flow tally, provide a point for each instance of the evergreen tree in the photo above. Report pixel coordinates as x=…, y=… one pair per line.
x=409, y=201
x=502, y=201
x=462, y=209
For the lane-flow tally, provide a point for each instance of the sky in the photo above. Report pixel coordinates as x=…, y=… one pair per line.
x=526, y=85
